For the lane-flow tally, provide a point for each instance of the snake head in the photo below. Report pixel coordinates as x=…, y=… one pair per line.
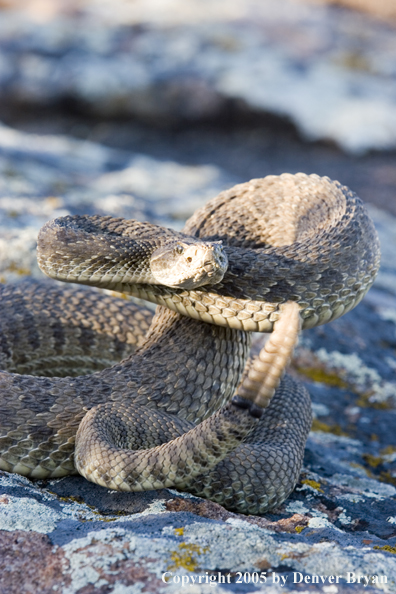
x=189, y=264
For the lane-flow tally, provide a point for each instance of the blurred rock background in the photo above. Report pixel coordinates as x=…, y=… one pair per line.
x=254, y=87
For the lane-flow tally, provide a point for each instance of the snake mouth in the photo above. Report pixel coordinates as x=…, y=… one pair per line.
x=205, y=275
x=214, y=272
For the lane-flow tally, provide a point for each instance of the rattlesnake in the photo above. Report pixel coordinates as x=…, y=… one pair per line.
x=277, y=253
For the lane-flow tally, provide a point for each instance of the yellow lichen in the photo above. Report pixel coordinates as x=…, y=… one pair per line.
x=372, y=461
x=179, y=531
x=19, y=270
x=314, y=484
x=386, y=477
x=68, y=498
x=364, y=402
x=390, y=449
x=299, y=528
x=103, y=517
x=186, y=557
x=320, y=426
x=324, y=377
x=386, y=548
x=361, y=467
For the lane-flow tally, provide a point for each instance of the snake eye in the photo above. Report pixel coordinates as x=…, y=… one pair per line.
x=179, y=249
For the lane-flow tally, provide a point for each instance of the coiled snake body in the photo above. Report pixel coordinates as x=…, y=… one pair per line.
x=271, y=254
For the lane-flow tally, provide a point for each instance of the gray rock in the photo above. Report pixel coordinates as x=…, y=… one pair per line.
x=71, y=536
x=330, y=71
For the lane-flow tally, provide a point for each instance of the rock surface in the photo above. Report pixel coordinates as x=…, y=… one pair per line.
x=328, y=70
x=71, y=536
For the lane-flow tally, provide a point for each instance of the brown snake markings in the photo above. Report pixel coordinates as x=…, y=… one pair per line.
x=293, y=238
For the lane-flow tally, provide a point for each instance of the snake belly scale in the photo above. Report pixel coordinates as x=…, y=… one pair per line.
x=184, y=409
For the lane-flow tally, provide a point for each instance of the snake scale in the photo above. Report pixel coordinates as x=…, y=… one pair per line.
x=186, y=408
